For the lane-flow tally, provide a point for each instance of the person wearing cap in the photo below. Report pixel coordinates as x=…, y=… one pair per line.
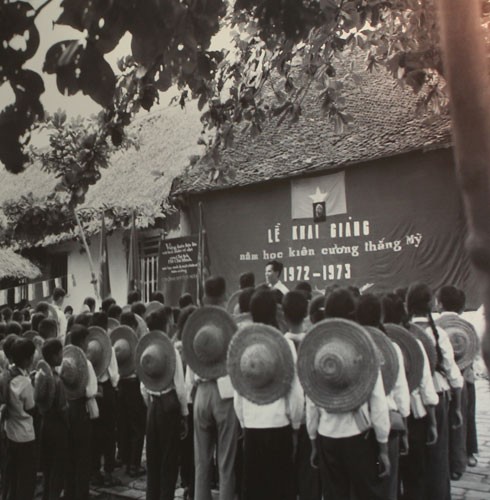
x=54, y=426
x=308, y=485
x=350, y=443
x=215, y=422
x=270, y=430
x=82, y=409
x=19, y=480
x=463, y=441
x=448, y=383
x=167, y=411
x=104, y=427
x=273, y=270
x=58, y=298
x=368, y=313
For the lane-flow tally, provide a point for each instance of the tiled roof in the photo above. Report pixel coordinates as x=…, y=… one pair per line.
x=386, y=123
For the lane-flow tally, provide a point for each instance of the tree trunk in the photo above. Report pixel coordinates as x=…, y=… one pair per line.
x=466, y=71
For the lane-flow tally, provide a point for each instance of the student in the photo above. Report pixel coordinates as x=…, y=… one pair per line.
x=186, y=300
x=48, y=328
x=89, y=305
x=134, y=296
x=247, y=280
x=20, y=467
x=167, y=409
x=273, y=270
x=54, y=427
x=106, y=304
x=448, y=383
x=115, y=312
x=349, y=444
x=157, y=296
x=58, y=298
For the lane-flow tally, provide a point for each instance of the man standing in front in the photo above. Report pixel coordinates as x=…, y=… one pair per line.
x=273, y=271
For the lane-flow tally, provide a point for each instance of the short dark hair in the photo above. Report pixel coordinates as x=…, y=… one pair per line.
x=36, y=320
x=78, y=335
x=452, y=298
x=247, y=280
x=368, y=310
x=17, y=316
x=183, y=317
x=90, y=302
x=138, y=308
x=83, y=319
x=157, y=296
x=419, y=299
x=295, y=306
x=277, y=266
x=50, y=349
x=244, y=299
x=107, y=303
x=134, y=296
x=58, y=293
x=215, y=287
x=8, y=343
x=185, y=300
x=26, y=326
x=157, y=320
x=340, y=304
x=354, y=290
x=68, y=309
x=99, y=318
x=14, y=327
x=129, y=319
x=114, y=311
x=48, y=328
x=263, y=307
x=7, y=314
x=22, y=350
x=316, y=310
x=42, y=307
x=27, y=314
x=305, y=287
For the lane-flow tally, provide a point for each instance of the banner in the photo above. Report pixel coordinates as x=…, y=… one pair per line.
x=46, y=289
x=178, y=267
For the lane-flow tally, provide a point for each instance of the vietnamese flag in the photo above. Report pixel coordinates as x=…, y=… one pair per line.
x=104, y=280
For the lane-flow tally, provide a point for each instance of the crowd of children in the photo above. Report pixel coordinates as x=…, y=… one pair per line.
x=269, y=394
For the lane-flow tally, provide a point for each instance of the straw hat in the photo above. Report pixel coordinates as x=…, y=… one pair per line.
x=205, y=339
x=152, y=306
x=260, y=363
x=124, y=341
x=44, y=388
x=142, y=328
x=463, y=337
x=338, y=365
x=155, y=360
x=74, y=372
x=429, y=347
x=232, y=306
x=111, y=324
x=388, y=357
x=98, y=350
x=412, y=355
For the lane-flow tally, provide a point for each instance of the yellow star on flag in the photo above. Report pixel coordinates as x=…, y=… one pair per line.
x=318, y=196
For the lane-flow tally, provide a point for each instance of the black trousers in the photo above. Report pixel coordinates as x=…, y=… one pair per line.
x=19, y=482
x=308, y=484
x=187, y=455
x=104, y=430
x=131, y=422
x=438, y=483
x=54, y=454
x=413, y=470
x=162, y=446
x=268, y=472
x=348, y=466
x=471, y=436
x=79, y=456
x=458, y=456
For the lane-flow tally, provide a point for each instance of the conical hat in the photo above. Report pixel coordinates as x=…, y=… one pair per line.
x=205, y=339
x=232, y=306
x=124, y=341
x=74, y=372
x=111, y=324
x=44, y=388
x=99, y=350
x=463, y=337
x=142, y=328
x=338, y=365
x=155, y=360
x=412, y=355
x=429, y=347
x=243, y=319
x=388, y=357
x=260, y=363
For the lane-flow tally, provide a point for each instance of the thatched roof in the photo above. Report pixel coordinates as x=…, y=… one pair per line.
x=13, y=265
x=136, y=178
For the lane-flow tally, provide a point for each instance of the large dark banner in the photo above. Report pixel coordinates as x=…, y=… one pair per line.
x=177, y=267
x=389, y=223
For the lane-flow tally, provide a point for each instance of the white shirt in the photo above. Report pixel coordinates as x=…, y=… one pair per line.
x=178, y=385
x=452, y=377
x=280, y=413
x=225, y=388
x=19, y=424
x=425, y=394
x=62, y=323
x=373, y=412
x=399, y=397
x=281, y=287
x=112, y=371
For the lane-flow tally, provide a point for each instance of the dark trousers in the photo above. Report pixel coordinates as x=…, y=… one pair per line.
x=187, y=456
x=268, y=472
x=471, y=436
x=308, y=484
x=131, y=422
x=438, y=484
x=20, y=471
x=162, y=446
x=79, y=457
x=54, y=455
x=104, y=430
x=458, y=457
x=348, y=466
x=413, y=470
x=392, y=481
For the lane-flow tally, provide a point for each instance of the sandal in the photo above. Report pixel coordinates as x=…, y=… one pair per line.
x=472, y=461
x=456, y=476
